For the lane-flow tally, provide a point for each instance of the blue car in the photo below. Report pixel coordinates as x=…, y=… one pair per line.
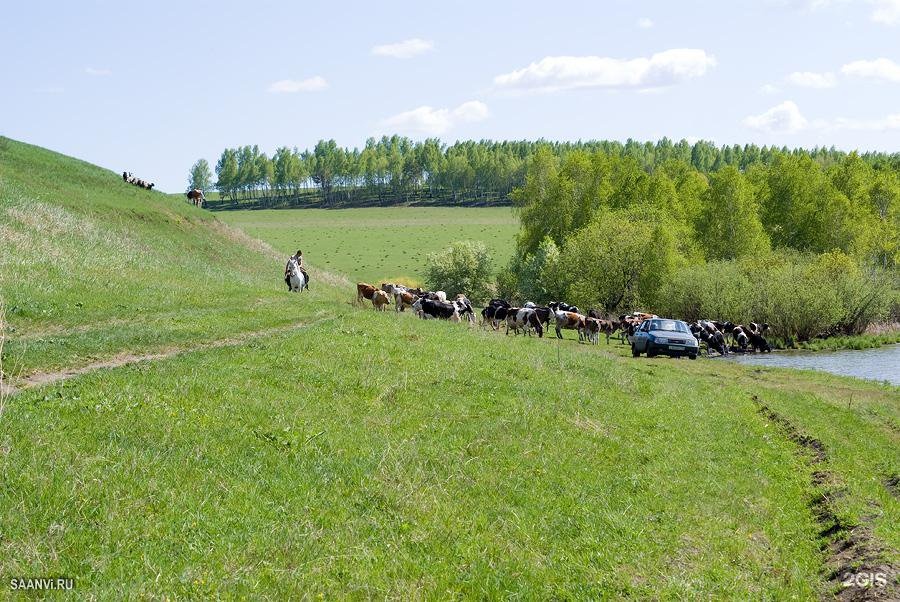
x=662, y=336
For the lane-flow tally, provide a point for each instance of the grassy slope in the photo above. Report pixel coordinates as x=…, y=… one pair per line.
x=374, y=454
x=91, y=266
x=380, y=244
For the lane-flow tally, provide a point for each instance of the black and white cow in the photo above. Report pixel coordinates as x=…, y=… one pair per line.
x=464, y=308
x=429, y=309
x=495, y=312
x=524, y=318
x=563, y=306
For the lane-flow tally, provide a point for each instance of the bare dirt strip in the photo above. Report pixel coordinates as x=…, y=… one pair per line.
x=40, y=379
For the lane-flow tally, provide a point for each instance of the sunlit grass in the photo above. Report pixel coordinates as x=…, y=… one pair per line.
x=383, y=244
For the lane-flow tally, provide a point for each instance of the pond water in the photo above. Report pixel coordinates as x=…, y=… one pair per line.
x=881, y=363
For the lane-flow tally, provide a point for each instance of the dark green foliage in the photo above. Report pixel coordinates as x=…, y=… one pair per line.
x=728, y=225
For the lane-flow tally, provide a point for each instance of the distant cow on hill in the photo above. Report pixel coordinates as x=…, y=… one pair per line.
x=196, y=197
x=128, y=177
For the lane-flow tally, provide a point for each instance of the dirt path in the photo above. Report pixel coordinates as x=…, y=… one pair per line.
x=40, y=379
x=853, y=552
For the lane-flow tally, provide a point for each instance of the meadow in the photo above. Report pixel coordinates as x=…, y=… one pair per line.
x=378, y=244
x=324, y=449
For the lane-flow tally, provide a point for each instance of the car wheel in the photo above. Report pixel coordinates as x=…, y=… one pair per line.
x=693, y=356
x=651, y=352
x=634, y=351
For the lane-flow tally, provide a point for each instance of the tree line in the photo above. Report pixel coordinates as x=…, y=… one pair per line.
x=396, y=170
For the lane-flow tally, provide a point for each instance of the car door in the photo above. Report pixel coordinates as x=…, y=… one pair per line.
x=640, y=336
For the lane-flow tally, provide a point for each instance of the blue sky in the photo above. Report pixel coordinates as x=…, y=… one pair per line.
x=152, y=87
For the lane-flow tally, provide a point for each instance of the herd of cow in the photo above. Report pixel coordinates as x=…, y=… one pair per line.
x=721, y=337
x=128, y=177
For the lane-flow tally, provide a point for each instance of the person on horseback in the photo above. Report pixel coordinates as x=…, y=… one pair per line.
x=298, y=257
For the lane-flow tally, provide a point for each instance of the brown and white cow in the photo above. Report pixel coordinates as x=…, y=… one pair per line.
x=590, y=331
x=196, y=197
x=380, y=299
x=570, y=321
x=607, y=327
x=403, y=299
x=364, y=291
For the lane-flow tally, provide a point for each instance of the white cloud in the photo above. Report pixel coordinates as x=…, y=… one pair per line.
x=312, y=84
x=433, y=122
x=881, y=68
x=891, y=122
x=645, y=23
x=785, y=117
x=97, y=72
x=886, y=12
x=808, y=5
x=405, y=49
x=809, y=79
x=769, y=89
x=555, y=73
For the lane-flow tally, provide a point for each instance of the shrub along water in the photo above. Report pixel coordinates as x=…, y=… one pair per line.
x=800, y=296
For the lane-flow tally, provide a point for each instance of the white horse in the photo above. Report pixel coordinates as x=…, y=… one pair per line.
x=298, y=280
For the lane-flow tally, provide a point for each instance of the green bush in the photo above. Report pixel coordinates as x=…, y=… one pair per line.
x=801, y=296
x=717, y=290
x=463, y=267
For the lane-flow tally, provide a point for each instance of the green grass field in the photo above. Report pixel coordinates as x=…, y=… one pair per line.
x=379, y=244
x=374, y=455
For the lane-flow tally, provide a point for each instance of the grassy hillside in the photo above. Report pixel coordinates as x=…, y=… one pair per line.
x=379, y=244
x=376, y=455
x=379, y=455
x=92, y=266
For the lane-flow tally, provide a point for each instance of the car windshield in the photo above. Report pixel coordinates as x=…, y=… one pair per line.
x=668, y=325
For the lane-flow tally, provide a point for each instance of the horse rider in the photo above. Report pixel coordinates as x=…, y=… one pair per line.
x=298, y=257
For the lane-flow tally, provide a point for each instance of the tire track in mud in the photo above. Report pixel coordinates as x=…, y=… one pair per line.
x=852, y=549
